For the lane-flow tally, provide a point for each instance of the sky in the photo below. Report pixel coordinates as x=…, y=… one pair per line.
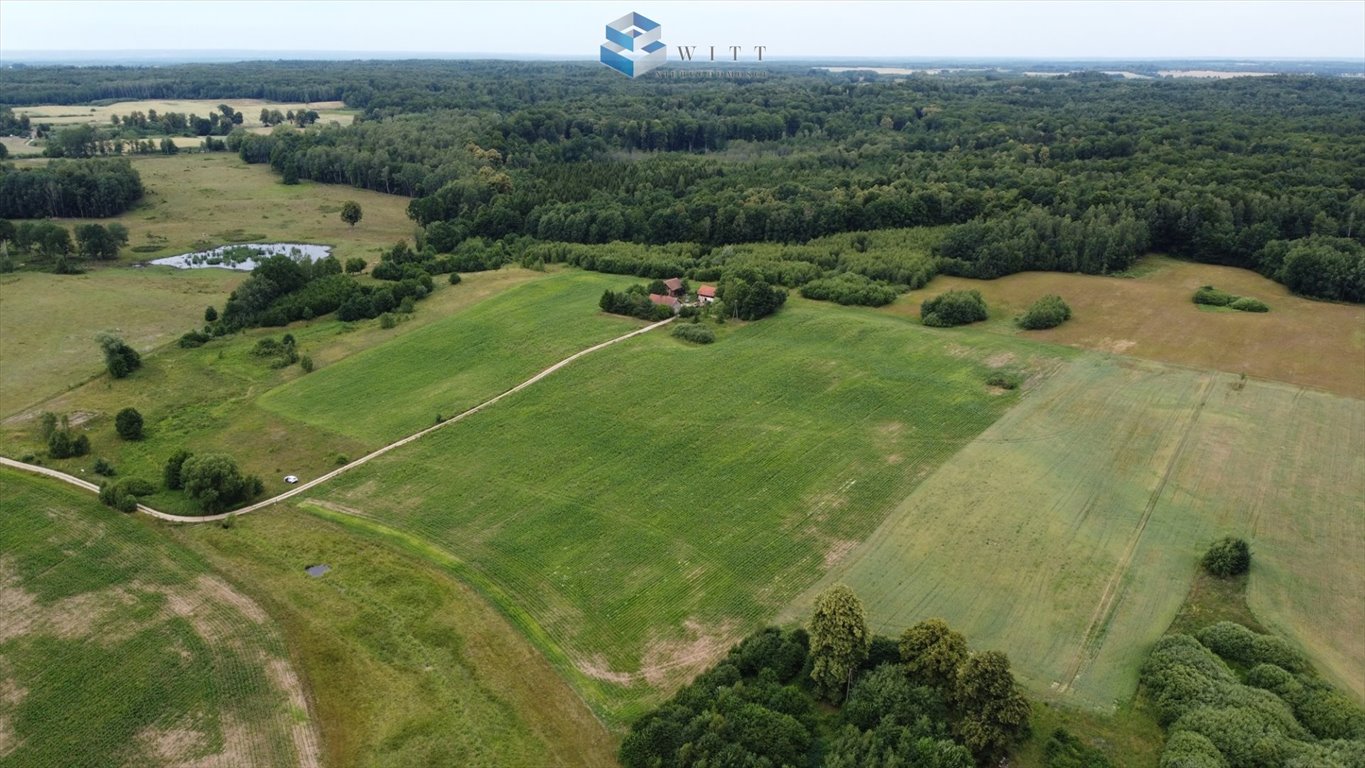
x=1048, y=29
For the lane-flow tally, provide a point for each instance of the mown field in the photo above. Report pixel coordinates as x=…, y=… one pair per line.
x=406, y=665
x=118, y=647
x=196, y=201
x=641, y=510
x=205, y=399
x=1150, y=315
x=49, y=322
x=1067, y=534
x=399, y=388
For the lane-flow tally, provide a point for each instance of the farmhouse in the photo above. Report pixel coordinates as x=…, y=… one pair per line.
x=668, y=301
x=674, y=286
x=706, y=294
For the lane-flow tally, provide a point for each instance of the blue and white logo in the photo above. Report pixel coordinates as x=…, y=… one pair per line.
x=633, y=46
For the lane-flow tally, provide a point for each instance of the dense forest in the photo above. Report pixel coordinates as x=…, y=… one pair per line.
x=1081, y=172
x=68, y=188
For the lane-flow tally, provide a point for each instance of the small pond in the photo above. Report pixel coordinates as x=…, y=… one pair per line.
x=243, y=257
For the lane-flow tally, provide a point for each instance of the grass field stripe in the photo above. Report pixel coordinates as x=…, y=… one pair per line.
x=89, y=486
x=1104, y=611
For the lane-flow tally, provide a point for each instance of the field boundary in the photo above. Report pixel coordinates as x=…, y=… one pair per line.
x=89, y=486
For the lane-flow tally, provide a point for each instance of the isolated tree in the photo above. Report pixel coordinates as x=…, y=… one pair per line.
x=994, y=712
x=932, y=653
x=119, y=358
x=350, y=212
x=128, y=424
x=1228, y=556
x=210, y=314
x=214, y=481
x=838, y=641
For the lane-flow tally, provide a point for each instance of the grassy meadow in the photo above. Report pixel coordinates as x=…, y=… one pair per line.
x=1067, y=534
x=1150, y=315
x=200, y=200
x=454, y=364
x=205, y=399
x=405, y=664
x=648, y=506
x=49, y=322
x=119, y=647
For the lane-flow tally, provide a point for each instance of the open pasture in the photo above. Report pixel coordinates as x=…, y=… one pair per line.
x=649, y=505
x=118, y=647
x=1067, y=534
x=1300, y=341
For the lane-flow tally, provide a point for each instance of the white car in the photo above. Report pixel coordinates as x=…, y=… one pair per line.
x=291, y=479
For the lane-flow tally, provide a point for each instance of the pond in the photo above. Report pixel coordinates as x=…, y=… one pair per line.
x=243, y=257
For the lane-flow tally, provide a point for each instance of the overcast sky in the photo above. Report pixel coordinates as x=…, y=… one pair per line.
x=1066, y=29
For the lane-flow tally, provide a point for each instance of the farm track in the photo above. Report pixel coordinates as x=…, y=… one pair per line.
x=89, y=486
x=1109, y=600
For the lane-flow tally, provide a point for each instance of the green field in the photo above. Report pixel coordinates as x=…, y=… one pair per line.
x=449, y=366
x=1067, y=534
x=118, y=647
x=644, y=508
x=406, y=666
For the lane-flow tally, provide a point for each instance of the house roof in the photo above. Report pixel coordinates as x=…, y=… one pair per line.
x=709, y=291
x=673, y=283
x=659, y=298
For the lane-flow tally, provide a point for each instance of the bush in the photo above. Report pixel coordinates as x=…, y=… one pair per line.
x=170, y=474
x=355, y=265
x=194, y=339
x=210, y=314
x=119, y=358
x=953, y=308
x=694, y=332
x=454, y=278
x=128, y=424
x=122, y=494
x=1210, y=296
x=104, y=468
x=306, y=363
x=65, y=444
x=1047, y=312
x=387, y=320
x=1248, y=304
x=1063, y=750
x=1005, y=380
x=1228, y=556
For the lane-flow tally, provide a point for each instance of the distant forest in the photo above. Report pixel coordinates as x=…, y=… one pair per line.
x=1082, y=172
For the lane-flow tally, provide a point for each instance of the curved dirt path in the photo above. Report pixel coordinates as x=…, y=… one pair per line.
x=89, y=486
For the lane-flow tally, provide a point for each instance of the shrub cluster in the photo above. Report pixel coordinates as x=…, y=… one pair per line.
x=953, y=308
x=282, y=290
x=850, y=288
x=1276, y=718
x=694, y=332
x=123, y=494
x=67, y=443
x=1048, y=312
x=280, y=354
x=1210, y=296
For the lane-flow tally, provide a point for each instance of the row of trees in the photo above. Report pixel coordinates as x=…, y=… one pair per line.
x=52, y=243
x=922, y=700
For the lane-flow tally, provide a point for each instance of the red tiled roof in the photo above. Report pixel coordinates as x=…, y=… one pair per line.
x=659, y=298
x=709, y=291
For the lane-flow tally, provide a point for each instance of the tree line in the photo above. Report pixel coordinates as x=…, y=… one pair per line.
x=834, y=694
x=61, y=189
